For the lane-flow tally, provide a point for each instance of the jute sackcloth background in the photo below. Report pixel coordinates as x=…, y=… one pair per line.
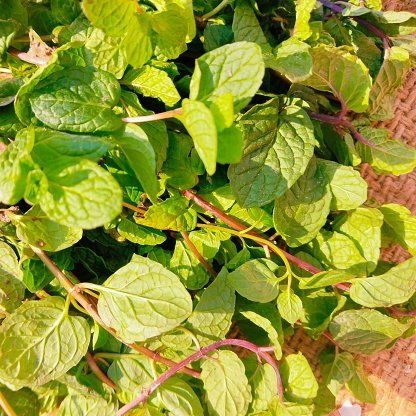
x=393, y=372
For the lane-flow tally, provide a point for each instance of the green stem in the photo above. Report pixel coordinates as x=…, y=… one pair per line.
x=4, y=404
x=213, y=12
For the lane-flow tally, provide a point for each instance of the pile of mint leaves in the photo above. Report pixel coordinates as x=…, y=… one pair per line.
x=180, y=191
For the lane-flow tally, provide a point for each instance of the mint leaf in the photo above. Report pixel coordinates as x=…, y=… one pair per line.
x=230, y=145
x=391, y=76
x=302, y=210
x=65, y=11
x=200, y=124
x=255, y=280
x=142, y=300
x=289, y=305
x=152, y=82
x=365, y=331
x=31, y=332
x=172, y=214
x=226, y=385
x=270, y=132
x=322, y=279
x=298, y=380
x=387, y=155
x=139, y=234
x=263, y=385
x=391, y=288
x=8, y=90
x=337, y=71
x=237, y=68
x=360, y=386
x=304, y=8
x=24, y=401
x=339, y=372
x=77, y=99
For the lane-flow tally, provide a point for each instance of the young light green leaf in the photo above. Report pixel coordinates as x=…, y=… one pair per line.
x=387, y=155
x=24, y=401
x=31, y=332
x=226, y=386
x=142, y=300
x=290, y=306
x=348, y=189
x=394, y=287
x=327, y=278
x=255, y=216
x=152, y=82
x=141, y=157
x=211, y=318
x=390, y=78
x=363, y=226
x=360, y=386
x=339, y=372
x=237, y=68
x=299, y=383
x=255, y=280
x=77, y=99
x=400, y=225
x=172, y=214
x=304, y=8
x=200, y=123
x=264, y=388
x=271, y=131
x=139, y=234
x=301, y=211
x=230, y=145
x=206, y=242
x=337, y=71
x=365, y=331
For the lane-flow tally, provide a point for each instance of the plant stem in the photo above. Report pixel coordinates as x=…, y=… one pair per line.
x=398, y=312
x=97, y=370
x=4, y=404
x=26, y=39
x=133, y=208
x=197, y=254
x=74, y=291
x=241, y=227
x=153, y=117
x=261, y=353
x=214, y=11
x=23, y=56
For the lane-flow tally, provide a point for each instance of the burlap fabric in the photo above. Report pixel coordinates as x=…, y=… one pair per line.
x=393, y=372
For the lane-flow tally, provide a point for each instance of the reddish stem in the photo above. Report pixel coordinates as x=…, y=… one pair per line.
x=261, y=353
x=97, y=371
x=153, y=117
x=398, y=312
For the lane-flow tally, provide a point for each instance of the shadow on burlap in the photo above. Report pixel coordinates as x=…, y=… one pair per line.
x=393, y=372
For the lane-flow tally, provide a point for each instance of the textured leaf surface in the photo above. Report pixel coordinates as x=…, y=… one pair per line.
x=226, y=385
x=24, y=402
x=290, y=306
x=171, y=214
x=31, y=332
x=322, y=279
x=340, y=371
x=304, y=8
x=142, y=300
x=302, y=210
x=365, y=331
x=139, y=234
x=394, y=287
x=237, y=68
x=360, y=386
x=211, y=318
x=278, y=144
x=77, y=99
x=255, y=280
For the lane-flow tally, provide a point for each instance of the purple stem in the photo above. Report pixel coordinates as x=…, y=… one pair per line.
x=260, y=351
x=398, y=312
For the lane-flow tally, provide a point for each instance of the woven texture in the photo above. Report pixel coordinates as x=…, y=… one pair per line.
x=393, y=372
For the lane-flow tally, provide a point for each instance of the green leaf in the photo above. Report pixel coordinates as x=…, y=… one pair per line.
x=298, y=380
x=360, y=386
x=391, y=288
x=35, y=228
x=237, y=68
x=142, y=300
x=211, y=318
x=226, y=385
x=8, y=90
x=304, y=8
x=31, y=332
x=230, y=145
x=183, y=164
x=363, y=226
x=264, y=387
x=199, y=122
x=400, y=225
x=348, y=189
x=7, y=34
x=24, y=402
x=77, y=99
x=172, y=214
x=141, y=157
x=12, y=290
x=255, y=216
x=339, y=372
x=390, y=78
x=290, y=306
x=387, y=155
x=271, y=131
x=139, y=234
x=337, y=71
x=365, y=331
x=65, y=11
x=83, y=195
x=323, y=279
x=302, y=210
x=255, y=280
x=152, y=82
x=207, y=242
